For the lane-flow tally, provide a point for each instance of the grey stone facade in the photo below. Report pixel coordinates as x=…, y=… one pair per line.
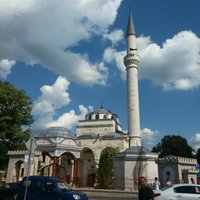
x=178, y=169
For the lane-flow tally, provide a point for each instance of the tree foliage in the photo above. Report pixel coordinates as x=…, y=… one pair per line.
x=15, y=120
x=105, y=173
x=173, y=145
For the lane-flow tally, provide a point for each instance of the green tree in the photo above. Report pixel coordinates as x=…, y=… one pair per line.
x=173, y=145
x=15, y=120
x=105, y=173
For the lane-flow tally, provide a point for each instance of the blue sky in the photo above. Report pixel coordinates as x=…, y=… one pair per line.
x=67, y=55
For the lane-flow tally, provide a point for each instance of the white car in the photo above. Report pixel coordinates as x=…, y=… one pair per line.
x=178, y=192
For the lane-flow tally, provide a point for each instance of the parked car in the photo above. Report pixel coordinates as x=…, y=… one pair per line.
x=47, y=188
x=8, y=191
x=178, y=192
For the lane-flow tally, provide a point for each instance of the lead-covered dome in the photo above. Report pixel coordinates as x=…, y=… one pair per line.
x=56, y=132
x=101, y=110
x=101, y=113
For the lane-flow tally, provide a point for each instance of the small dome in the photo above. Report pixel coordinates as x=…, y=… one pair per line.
x=101, y=110
x=137, y=149
x=56, y=132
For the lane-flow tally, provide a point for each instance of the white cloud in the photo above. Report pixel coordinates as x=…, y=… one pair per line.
x=70, y=119
x=40, y=32
x=5, y=67
x=111, y=55
x=115, y=36
x=173, y=66
x=52, y=97
x=195, y=140
x=66, y=120
x=43, y=32
x=149, y=136
x=51, y=100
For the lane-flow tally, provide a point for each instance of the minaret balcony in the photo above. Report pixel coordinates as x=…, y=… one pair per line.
x=131, y=60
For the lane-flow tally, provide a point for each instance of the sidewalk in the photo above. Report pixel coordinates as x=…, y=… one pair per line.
x=107, y=193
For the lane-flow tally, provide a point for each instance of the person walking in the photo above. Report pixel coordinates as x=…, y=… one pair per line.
x=169, y=182
x=156, y=184
x=145, y=192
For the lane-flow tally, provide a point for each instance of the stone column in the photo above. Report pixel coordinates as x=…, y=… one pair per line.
x=75, y=172
x=54, y=166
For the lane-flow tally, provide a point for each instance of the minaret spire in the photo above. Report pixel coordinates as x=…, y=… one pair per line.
x=130, y=27
x=131, y=61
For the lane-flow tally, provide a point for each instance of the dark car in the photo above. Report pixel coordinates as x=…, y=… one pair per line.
x=47, y=188
x=8, y=191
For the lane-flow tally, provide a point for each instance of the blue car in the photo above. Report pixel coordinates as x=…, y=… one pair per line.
x=47, y=188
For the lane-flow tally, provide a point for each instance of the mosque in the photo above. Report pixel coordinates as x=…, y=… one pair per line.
x=60, y=153
x=74, y=157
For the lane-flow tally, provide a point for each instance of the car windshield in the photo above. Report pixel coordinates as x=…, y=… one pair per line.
x=166, y=188
x=63, y=185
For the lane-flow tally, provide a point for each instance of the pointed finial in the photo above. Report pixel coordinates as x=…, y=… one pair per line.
x=130, y=28
x=101, y=105
x=130, y=9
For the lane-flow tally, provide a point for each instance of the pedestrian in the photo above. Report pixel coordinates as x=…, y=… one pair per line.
x=168, y=182
x=145, y=192
x=156, y=184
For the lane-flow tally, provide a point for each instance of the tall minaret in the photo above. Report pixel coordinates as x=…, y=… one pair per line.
x=131, y=61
